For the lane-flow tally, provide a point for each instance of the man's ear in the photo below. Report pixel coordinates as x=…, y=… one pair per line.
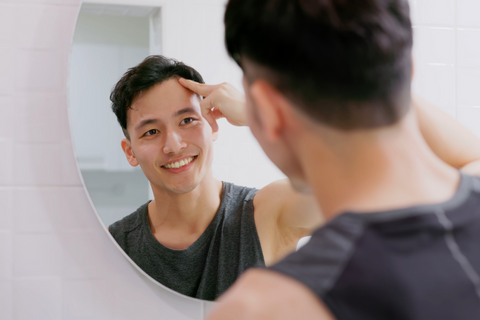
x=269, y=105
x=127, y=148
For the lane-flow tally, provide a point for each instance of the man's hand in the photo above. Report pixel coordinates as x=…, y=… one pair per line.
x=220, y=101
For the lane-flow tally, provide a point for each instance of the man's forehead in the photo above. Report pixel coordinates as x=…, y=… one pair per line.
x=165, y=100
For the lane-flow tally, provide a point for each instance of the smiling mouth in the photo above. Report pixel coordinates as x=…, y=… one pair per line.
x=178, y=164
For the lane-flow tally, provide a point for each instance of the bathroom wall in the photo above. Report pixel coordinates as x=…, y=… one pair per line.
x=56, y=261
x=447, y=56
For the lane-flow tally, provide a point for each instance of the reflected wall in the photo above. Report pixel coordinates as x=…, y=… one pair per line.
x=108, y=40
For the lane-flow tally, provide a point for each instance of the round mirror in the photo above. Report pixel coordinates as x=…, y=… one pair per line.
x=194, y=259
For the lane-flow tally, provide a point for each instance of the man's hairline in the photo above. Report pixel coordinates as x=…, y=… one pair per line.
x=125, y=130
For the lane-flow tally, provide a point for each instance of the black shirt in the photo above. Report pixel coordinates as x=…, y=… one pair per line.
x=416, y=263
x=208, y=267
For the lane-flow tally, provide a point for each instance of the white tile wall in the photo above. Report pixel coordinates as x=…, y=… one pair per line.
x=436, y=83
x=37, y=164
x=467, y=13
x=44, y=27
x=468, y=61
x=6, y=252
x=6, y=203
x=447, y=56
x=7, y=112
x=7, y=24
x=434, y=45
x=40, y=117
x=468, y=48
x=7, y=58
x=41, y=71
x=37, y=299
x=86, y=299
x=468, y=87
x=56, y=260
x=6, y=300
x=37, y=255
x=6, y=162
x=44, y=207
x=434, y=12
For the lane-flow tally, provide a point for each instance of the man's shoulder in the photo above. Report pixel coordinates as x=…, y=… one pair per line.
x=259, y=292
x=239, y=192
x=129, y=222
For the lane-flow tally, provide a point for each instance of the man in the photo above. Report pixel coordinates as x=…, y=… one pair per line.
x=196, y=221
x=328, y=98
x=198, y=234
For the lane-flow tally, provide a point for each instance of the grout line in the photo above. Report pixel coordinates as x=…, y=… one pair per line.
x=36, y=4
x=4, y=187
x=432, y=27
x=469, y=28
x=455, y=59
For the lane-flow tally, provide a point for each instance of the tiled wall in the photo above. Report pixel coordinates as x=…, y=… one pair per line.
x=56, y=261
x=447, y=56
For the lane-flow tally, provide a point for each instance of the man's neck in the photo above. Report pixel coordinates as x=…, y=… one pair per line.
x=377, y=170
x=183, y=215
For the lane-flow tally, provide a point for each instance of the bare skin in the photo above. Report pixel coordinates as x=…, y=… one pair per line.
x=292, y=300
x=185, y=202
x=355, y=174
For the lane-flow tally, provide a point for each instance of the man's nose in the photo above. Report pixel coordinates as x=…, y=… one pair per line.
x=173, y=142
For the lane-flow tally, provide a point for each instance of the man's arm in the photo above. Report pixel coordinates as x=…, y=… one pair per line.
x=448, y=139
x=262, y=295
x=284, y=216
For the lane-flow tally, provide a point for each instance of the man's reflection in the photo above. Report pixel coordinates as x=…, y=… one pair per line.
x=198, y=234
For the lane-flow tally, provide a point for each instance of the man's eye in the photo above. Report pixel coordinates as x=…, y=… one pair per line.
x=186, y=121
x=151, y=132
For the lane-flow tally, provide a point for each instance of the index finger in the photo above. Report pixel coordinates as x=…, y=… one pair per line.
x=200, y=88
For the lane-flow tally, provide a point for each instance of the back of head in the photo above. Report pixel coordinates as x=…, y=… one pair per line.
x=345, y=63
x=150, y=72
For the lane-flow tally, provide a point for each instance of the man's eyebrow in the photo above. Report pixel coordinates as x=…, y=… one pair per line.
x=185, y=110
x=145, y=122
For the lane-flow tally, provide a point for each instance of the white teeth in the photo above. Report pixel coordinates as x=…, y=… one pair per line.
x=178, y=164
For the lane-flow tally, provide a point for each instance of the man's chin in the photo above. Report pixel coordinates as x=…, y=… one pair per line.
x=183, y=188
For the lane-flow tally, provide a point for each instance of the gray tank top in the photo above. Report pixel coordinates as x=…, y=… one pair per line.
x=208, y=267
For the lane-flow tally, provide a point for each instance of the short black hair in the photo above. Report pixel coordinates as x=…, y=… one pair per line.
x=152, y=71
x=345, y=63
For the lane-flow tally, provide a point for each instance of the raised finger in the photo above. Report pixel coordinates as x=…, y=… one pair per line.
x=211, y=120
x=200, y=88
x=217, y=114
